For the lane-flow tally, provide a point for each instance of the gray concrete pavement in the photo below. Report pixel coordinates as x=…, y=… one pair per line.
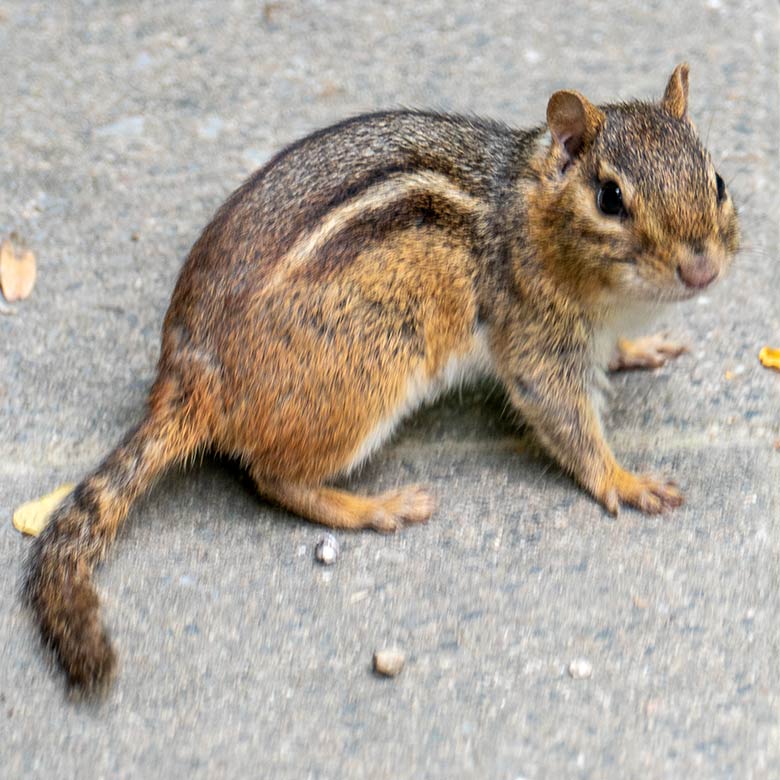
x=123, y=126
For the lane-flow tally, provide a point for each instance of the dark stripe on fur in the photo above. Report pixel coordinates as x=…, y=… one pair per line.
x=368, y=230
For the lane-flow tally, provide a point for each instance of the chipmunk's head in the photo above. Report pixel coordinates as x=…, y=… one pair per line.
x=644, y=212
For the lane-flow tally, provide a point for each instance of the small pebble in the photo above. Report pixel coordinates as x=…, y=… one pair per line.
x=327, y=550
x=580, y=669
x=389, y=663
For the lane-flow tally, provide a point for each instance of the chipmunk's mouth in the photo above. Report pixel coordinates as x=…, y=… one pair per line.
x=687, y=293
x=670, y=292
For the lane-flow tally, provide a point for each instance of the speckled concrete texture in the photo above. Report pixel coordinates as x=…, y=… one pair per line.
x=123, y=127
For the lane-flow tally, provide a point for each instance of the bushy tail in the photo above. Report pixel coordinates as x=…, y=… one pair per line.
x=59, y=575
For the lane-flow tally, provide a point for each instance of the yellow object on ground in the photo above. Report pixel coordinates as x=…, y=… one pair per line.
x=770, y=357
x=17, y=272
x=31, y=518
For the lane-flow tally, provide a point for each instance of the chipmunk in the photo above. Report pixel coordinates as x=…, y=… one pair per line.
x=372, y=265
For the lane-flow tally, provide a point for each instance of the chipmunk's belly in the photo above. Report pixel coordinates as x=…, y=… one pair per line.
x=461, y=368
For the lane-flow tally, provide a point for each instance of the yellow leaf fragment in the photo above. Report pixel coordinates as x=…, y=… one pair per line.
x=17, y=272
x=770, y=357
x=32, y=517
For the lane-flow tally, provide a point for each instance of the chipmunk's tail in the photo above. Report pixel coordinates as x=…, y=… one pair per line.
x=59, y=575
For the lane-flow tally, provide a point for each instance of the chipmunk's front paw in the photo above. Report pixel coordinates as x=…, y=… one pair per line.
x=648, y=352
x=644, y=492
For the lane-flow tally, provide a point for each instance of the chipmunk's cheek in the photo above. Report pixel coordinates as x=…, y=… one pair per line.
x=624, y=276
x=628, y=282
x=650, y=278
x=658, y=276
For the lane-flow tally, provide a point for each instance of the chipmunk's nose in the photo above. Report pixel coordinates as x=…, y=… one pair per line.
x=698, y=271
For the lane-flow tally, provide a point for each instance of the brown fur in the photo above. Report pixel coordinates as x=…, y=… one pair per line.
x=360, y=272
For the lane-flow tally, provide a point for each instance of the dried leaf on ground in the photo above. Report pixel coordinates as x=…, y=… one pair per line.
x=17, y=272
x=770, y=357
x=32, y=517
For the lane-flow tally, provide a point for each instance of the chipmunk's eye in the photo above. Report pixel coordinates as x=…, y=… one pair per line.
x=610, y=199
x=721, y=188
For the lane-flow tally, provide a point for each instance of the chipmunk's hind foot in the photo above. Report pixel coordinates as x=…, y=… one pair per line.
x=335, y=508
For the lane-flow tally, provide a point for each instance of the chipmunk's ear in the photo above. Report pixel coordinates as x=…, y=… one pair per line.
x=573, y=121
x=675, y=100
